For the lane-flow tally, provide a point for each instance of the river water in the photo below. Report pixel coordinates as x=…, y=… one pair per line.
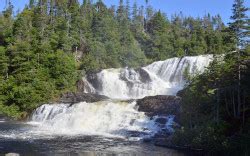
x=27, y=139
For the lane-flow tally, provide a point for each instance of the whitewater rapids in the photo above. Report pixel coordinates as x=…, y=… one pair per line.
x=107, y=118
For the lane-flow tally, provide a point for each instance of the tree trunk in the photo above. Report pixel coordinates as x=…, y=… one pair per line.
x=239, y=85
x=227, y=103
x=244, y=105
x=218, y=106
x=234, y=108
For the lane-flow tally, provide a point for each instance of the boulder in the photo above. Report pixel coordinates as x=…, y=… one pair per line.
x=162, y=121
x=92, y=78
x=160, y=105
x=144, y=76
x=71, y=97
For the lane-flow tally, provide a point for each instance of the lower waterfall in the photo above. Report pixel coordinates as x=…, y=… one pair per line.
x=100, y=118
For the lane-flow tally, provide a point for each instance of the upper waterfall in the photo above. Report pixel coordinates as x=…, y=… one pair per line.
x=159, y=78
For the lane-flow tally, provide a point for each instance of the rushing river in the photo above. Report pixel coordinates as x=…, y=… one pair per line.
x=27, y=139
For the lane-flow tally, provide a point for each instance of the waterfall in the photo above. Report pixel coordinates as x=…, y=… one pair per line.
x=159, y=78
x=100, y=118
x=116, y=117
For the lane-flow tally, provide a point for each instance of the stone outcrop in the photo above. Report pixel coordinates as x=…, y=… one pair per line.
x=80, y=95
x=71, y=97
x=160, y=105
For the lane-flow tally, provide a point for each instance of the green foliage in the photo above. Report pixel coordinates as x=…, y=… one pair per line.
x=240, y=24
x=3, y=62
x=209, y=108
x=62, y=69
x=215, y=105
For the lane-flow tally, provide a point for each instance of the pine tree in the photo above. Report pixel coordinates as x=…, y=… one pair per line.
x=127, y=10
x=6, y=25
x=178, y=31
x=160, y=46
x=240, y=28
x=31, y=3
x=135, y=11
x=121, y=11
x=240, y=25
x=149, y=14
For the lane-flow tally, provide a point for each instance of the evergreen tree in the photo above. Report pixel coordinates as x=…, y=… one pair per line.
x=240, y=28
x=121, y=12
x=240, y=24
x=6, y=25
x=178, y=40
x=160, y=46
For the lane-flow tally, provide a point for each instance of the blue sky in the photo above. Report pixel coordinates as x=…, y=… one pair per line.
x=193, y=8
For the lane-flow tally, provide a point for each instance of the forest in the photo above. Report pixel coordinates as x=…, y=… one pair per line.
x=46, y=47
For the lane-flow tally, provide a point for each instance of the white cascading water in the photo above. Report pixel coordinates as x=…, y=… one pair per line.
x=100, y=118
x=159, y=78
x=115, y=117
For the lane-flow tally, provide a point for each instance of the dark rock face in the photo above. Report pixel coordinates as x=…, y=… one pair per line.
x=84, y=86
x=80, y=85
x=93, y=79
x=144, y=76
x=160, y=105
x=77, y=97
x=180, y=93
x=162, y=121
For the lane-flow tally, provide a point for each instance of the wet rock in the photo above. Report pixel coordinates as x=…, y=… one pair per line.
x=144, y=76
x=93, y=79
x=160, y=105
x=127, y=75
x=71, y=97
x=162, y=121
x=135, y=133
x=84, y=86
x=147, y=139
x=160, y=135
x=81, y=85
x=180, y=93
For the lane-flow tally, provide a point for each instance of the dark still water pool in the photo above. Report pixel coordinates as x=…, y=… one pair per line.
x=27, y=139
